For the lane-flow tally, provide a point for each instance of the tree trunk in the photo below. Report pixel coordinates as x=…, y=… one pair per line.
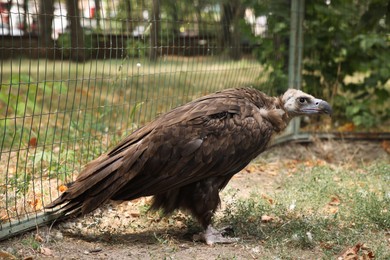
x=77, y=43
x=175, y=18
x=226, y=19
x=97, y=14
x=46, y=12
x=233, y=11
x=25, y=17
x=198, y=12
x=127, y=24
x=154, y=31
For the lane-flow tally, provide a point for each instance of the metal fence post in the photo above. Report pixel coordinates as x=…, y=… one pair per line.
x=295, y=52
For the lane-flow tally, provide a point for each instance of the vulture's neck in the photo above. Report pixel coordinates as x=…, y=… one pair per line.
x=274, y=112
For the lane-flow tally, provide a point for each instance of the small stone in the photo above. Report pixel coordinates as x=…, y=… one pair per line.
x=11, y=250
x=58, y=235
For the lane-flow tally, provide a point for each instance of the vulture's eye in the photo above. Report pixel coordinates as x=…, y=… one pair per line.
x=302, y=100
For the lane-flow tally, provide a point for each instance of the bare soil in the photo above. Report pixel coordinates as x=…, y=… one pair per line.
x=126, y=231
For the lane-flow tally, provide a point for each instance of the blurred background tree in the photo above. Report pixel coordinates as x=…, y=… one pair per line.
x=346, y=55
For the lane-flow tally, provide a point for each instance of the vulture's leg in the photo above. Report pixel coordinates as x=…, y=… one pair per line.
x=203, y=200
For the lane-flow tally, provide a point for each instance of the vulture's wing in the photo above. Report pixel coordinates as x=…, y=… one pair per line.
x=217, y=135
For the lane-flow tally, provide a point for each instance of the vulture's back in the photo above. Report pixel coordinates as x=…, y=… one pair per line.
x=214, y=136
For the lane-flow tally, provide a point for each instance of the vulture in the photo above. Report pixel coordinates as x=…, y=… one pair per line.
x=185, y=157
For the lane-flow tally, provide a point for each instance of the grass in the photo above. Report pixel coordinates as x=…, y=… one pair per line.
x=321, y=209
x=58, y=115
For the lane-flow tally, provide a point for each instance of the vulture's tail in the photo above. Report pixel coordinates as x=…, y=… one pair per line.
x=96, y=184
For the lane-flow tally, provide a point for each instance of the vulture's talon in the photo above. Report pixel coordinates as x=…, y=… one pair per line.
x=213, y=236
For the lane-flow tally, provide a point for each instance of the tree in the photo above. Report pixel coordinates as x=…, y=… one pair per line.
x=46, y=12
x=155, y=31
x=127, y=23
x=172, y=8
x=97, y=14
x=77, y=41
x=273, y=50
x=232, y=13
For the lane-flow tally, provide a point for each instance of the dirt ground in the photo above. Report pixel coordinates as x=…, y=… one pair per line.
x=126, y=231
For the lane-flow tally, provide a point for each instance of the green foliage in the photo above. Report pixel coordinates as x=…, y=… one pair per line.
x=345, y=58
x=30, y=241
x=137, y=48
x=64, y=43
x=272, y=50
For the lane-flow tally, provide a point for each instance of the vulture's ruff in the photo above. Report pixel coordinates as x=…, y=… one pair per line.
x=186, y=156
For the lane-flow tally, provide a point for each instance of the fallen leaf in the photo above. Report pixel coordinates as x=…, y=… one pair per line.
x=251, y=169
x=336, y=179
x=6, y=255
x=135, y=213
x=36, y=204
x=266, y=218
x=348, y=127
x=3, y=215
x=251, y=219
x=38, y=238
x=359, y=251
x=46, y=251
x=333, y=210
x=269, y=199
x=333, y=206
x=386, y=146
x=326, y=245
x=62, y=188
x=33, y=142
x=334, y=200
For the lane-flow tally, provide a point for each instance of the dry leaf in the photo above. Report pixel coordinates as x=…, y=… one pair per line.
x=336, y=179
x=62, y=188
x=35, y=204
x=251, y=219
x=3, y=215
x=348, y=127
x=135, y=213
x=269, y=199
x=334, y=201
x=46, y=251
x=38, y=238
x=358, y=252
x=6, y=255
x=386, y=146
x=251, y=169
x=33, y=142
x=266, y=218
x=333, y=206
x=333, y=210
x=326, y=245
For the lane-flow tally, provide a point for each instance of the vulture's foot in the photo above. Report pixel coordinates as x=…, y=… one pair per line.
x=213, y=236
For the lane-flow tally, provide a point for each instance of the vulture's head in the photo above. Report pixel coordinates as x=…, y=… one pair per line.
x=298, y=103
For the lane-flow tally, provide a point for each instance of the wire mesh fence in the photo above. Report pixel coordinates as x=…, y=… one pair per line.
x=79, y=75
x=74, y=82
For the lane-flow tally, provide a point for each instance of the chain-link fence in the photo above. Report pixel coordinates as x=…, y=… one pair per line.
x=76, y=77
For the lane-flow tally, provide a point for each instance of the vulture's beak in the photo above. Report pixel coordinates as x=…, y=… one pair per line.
x=323, y=107
x=319, y=106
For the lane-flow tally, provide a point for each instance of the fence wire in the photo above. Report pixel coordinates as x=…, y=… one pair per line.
x=97, y=73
